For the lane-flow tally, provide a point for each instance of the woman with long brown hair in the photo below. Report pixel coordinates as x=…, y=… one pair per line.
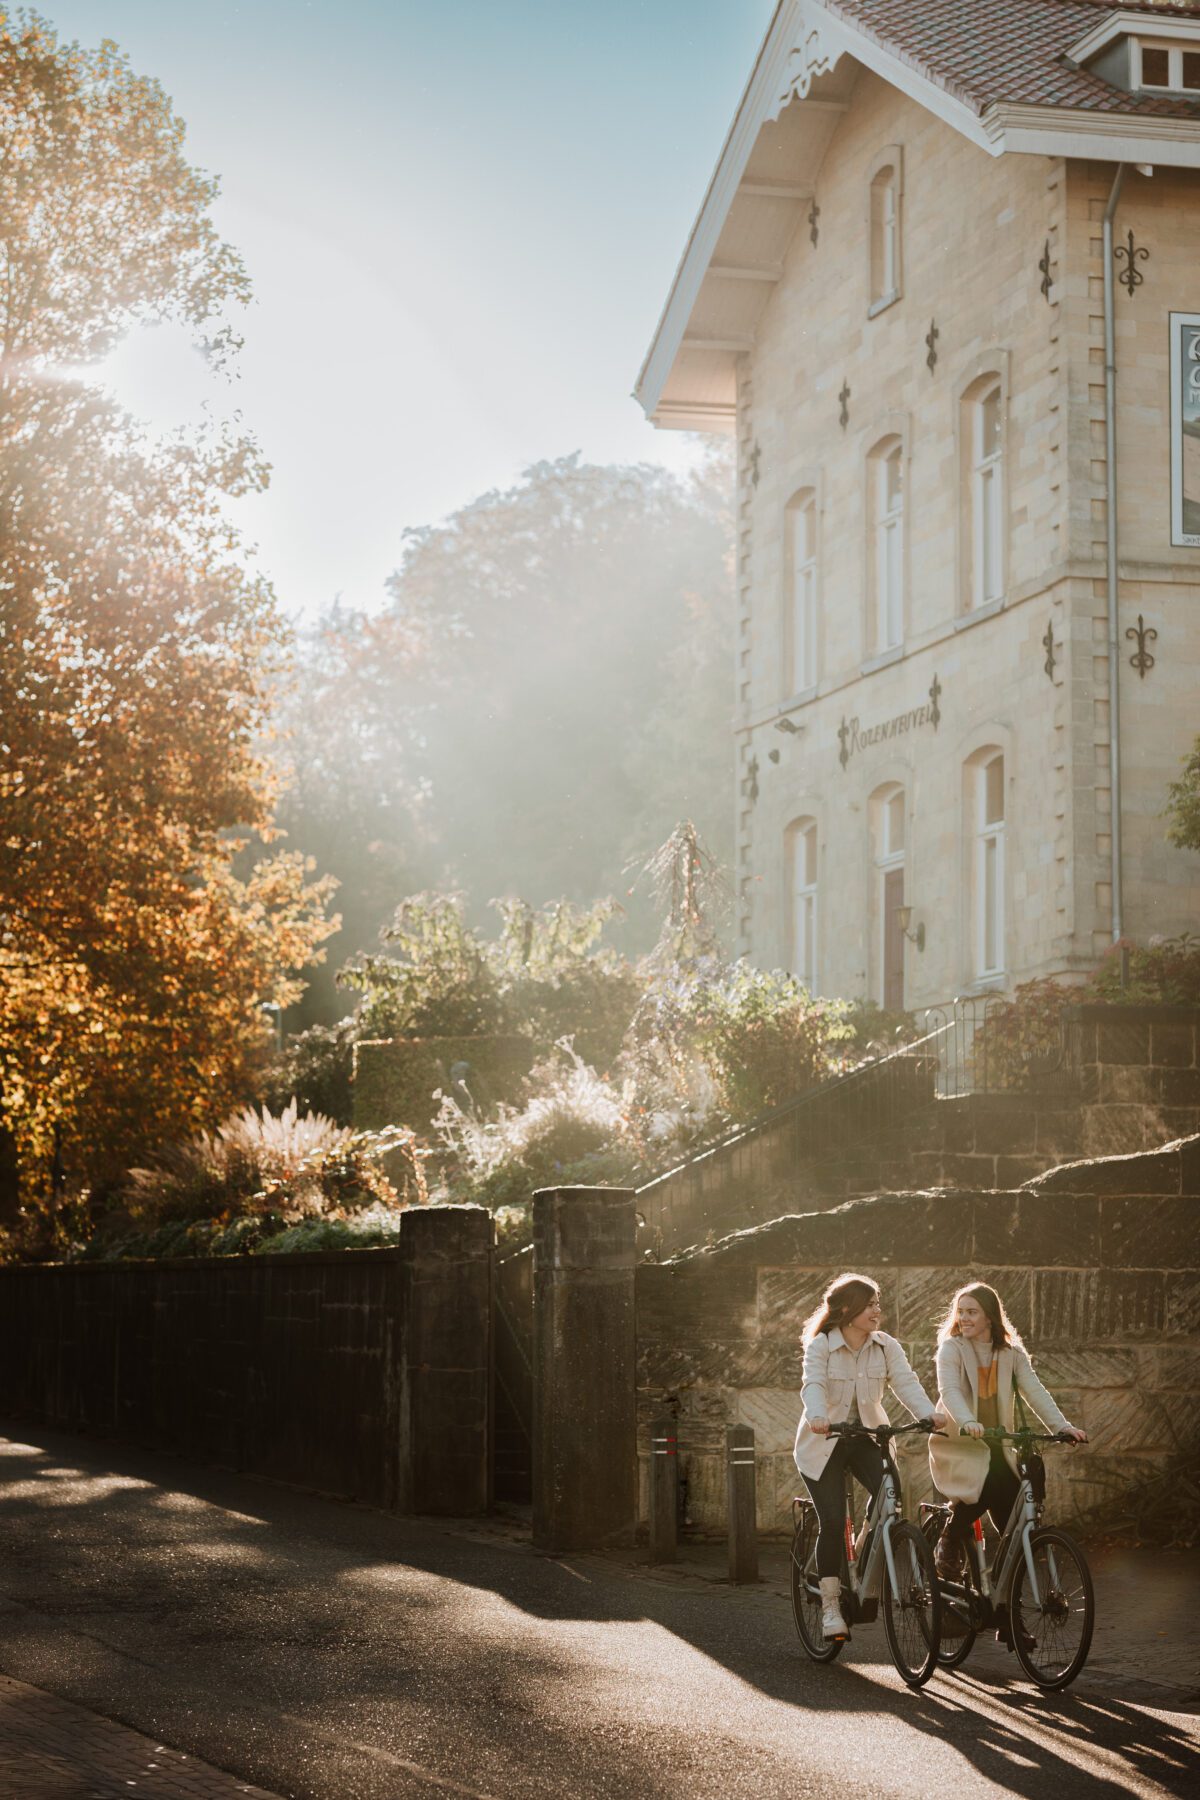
x=848, y=1365
x=983, y=1369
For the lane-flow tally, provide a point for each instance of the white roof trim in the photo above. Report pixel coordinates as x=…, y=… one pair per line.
x=1102, y=137
x=803, y=41
x=699, y=415
x=698, y=252
x=1131, y=24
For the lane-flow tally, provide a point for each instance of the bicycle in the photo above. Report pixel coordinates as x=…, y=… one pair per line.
x=892, y=1556
x=1038, y=1590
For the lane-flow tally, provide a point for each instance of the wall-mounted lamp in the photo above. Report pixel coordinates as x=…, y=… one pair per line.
x=904, y=919
x=786, y=725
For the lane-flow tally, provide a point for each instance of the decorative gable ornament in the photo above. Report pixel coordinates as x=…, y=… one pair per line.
x=807, y=59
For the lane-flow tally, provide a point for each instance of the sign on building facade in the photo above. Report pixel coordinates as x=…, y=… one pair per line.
x=1185, y=428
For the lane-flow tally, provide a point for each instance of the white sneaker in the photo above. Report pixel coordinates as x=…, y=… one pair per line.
x=832, y=1623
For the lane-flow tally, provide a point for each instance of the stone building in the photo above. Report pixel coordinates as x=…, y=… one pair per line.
x=952, y=651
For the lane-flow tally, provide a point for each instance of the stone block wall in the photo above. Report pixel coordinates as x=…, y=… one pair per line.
x=1138, y=1074
x=1099, y=1266
x=361, y=1373
x=1130, y=1080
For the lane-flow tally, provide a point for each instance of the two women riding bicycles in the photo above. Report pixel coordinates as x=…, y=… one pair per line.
x=1037, y=1595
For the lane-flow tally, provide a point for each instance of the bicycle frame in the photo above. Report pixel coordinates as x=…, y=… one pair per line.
x=865, y=1579
x=1014, y=1542
x=1016, y=1538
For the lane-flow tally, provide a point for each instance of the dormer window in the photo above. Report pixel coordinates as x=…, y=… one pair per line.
x=1125, y=50
x=1158, y=67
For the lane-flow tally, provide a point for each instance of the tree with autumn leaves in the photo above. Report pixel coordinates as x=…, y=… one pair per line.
x=139, y=938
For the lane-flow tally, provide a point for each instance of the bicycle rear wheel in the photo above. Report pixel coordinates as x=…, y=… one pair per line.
x=1052, y=1632
x=958, y=1633
x=806, y=1595
x=912, y=1616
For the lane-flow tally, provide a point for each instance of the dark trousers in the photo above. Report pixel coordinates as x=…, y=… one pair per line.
x=828, y=1490
x=1000, y=1487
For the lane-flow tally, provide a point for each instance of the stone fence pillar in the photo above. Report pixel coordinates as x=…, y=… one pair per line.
x=584, y=1368
x=445, y=1359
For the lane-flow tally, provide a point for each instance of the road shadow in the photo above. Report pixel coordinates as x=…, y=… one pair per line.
x=196, y=1602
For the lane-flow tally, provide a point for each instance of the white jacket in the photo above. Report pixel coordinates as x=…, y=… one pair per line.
x=959, y=1464
x=834, y=1376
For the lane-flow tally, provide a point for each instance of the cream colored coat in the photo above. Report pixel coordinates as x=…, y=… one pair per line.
x=959, y=1464
x=834, y=1375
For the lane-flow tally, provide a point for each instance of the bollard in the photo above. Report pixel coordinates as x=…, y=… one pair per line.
x=664, y=1491
x=743, y=1529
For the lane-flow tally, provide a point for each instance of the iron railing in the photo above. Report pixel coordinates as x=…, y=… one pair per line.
x=987, y=1046
x=977, y=1044
x=840, y=1111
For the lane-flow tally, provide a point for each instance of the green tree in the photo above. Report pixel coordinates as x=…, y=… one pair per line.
x=547, y=691
x=137, y=657
x=1183, y=804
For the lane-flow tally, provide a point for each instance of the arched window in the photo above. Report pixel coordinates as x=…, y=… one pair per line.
x=885, y=236
x=987, y=489
x=886, y=485
x=986, y=798
x=802, y=898
x=983, y=458
x=801, y=621
x=888, y=809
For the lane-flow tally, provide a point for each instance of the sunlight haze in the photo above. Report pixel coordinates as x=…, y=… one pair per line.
x=459, y=223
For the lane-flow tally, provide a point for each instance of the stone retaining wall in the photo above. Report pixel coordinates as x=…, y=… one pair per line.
x=1138, y=1074
x=361, y=1373
x=1130, y=1080
x=1098, y=1263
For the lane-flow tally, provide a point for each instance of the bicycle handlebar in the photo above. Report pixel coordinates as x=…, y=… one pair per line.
x=881, y=1433
x=994, y=1436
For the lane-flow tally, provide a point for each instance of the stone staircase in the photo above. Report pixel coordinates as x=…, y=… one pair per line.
x=1129, y=1081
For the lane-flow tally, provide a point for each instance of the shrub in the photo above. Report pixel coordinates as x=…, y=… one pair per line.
x=375, y=1228
x=877, y=1031
x=315, y=1070
x=764, y=1038
x=1163, y=972
x=438, y=981
x=1021, y=1037
x=262, y=1165
x=572, y=1121
x=544, y=976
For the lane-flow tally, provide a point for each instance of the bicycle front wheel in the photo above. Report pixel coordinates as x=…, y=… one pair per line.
x=806, y=1594
x=912, y=1613
x=1052, y=1629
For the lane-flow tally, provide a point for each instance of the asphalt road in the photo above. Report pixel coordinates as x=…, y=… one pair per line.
x=331, y=1653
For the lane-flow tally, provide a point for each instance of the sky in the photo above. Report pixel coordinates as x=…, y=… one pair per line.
x=460, y=222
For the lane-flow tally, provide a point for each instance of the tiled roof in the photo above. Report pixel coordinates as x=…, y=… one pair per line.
x=985, y=52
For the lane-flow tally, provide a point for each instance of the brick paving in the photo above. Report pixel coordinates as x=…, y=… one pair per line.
x=51, y=1750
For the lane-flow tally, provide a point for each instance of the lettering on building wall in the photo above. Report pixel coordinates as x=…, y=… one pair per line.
x=854, y=736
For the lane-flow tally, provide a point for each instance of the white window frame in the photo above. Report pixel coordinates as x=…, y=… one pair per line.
x=987, y=502
x=982, y=375
x=803, y=900
x=1175, y=51
x=887, y=546
x=800, y=646
x=989, y=871
x=885, y=283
